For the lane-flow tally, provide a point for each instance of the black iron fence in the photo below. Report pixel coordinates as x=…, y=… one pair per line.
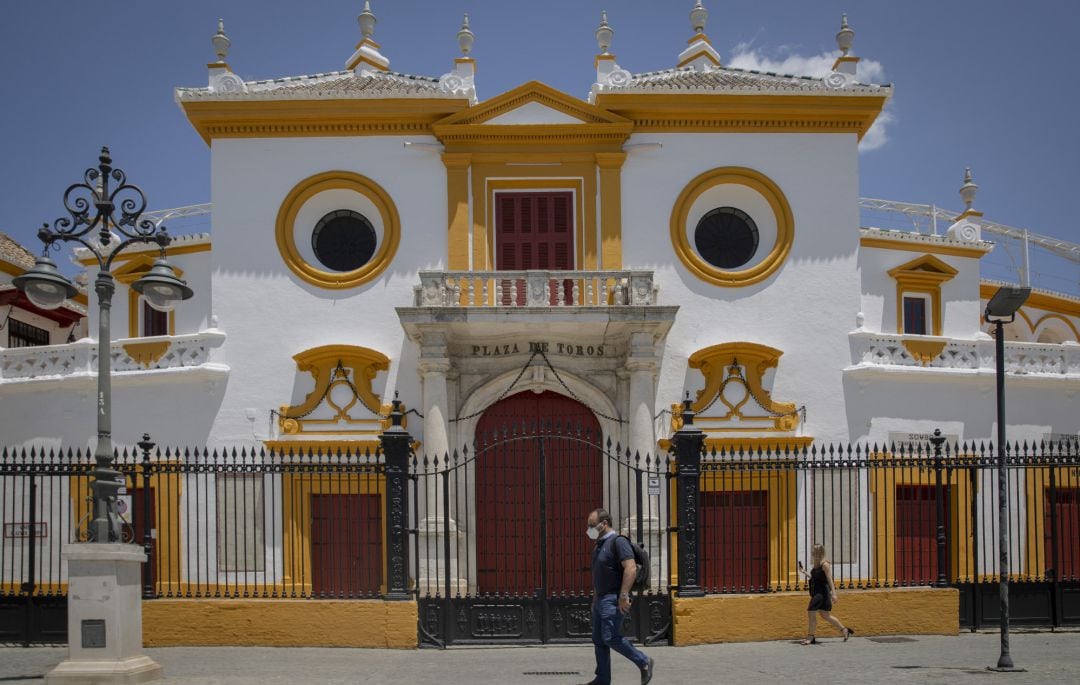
x=505, y=522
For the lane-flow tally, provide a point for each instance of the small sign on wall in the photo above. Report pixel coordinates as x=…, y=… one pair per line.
x=39, y=529
x=917, y=441
x=654, y=485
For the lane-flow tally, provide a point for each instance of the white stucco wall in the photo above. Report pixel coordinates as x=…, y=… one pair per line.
x=804, y=309
x=268, y=312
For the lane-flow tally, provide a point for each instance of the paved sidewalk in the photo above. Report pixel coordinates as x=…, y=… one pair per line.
x=1048, y=658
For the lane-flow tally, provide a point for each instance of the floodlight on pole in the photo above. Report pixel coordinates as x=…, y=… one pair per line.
x=1000, y=310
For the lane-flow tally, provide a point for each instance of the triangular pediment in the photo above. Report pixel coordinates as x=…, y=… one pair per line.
x=533, y=100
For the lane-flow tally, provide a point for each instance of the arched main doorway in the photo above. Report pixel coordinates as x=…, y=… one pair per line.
x=539, y=471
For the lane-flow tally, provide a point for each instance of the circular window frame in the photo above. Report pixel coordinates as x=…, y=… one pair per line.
x=315, y=274
x=756, y=181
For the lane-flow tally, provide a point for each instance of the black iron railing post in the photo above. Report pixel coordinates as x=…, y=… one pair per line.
x=939, y=496
x=976, y=593
x=688, y=443
x=395, y=447
x=148, y=591
x=1055, y=605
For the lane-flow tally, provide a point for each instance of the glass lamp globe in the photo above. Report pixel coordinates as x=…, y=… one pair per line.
x=44, y=285
x=161, y=288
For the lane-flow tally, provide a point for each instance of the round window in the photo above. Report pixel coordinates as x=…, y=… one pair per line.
x=343, y=240
x=726, y=237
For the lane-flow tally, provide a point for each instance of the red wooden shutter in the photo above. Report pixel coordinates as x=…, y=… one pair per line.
x=534, y=231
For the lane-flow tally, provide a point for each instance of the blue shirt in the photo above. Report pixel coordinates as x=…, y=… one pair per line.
x=607, y=563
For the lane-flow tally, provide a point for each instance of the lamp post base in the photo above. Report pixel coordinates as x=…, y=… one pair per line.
x=105, y=617
x=138, y=669
x=1006, y=669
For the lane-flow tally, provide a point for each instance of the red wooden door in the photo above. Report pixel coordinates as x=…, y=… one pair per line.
x=509, y=548
x=916, y=534
x=1066, y=508
x=346, y=545
x=735, y=540
x=534, y=231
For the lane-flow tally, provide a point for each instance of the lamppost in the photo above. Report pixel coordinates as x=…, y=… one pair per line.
x=92, y=205
x=1000, y=310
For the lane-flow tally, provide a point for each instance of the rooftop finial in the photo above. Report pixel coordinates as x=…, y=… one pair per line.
x=698, y=15
x=221, y=42
x=367, y=21
x=968, y=190
x=465, y=37
x=604, y=33
x=845, y=36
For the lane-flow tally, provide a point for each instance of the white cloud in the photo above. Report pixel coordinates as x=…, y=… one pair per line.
x=746, y=56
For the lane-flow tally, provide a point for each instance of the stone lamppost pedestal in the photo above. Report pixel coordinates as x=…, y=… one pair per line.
x=105, y=617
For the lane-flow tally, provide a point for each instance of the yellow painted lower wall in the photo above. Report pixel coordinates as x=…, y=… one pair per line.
x=278, y=623
x=782, y=616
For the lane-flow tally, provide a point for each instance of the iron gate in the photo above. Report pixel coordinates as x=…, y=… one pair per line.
x=499, y=548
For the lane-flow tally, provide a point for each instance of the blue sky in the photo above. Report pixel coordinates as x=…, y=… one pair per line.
x=980, y=83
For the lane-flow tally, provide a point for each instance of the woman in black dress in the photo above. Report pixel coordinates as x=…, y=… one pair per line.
x=822, y=595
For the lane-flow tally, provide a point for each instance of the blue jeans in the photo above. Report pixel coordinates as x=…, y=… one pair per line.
x=607, y=635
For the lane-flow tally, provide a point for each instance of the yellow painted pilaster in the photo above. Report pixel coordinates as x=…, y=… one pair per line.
x=457, y=196
x=610, y=165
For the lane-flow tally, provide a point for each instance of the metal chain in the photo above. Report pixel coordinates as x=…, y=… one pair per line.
x=504, y=393
x=572, y=393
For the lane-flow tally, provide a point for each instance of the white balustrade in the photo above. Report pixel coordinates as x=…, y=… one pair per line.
x=128, y=356
x=535, y=289
x=883, y=349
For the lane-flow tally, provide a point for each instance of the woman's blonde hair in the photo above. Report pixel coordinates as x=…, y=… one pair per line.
x=817, y=554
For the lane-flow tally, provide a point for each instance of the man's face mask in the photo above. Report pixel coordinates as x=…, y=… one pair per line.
x=593, y=532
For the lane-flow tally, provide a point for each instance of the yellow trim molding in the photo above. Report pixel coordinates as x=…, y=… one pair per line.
x=924, y=247
x=153, y=251
x=147, y=353
x=745, y=113
x=922, y=275
x=756, y=181
x=719, y=365
x=924, y=351
x=321, y=118
x=782, y=615
x=280, y=623
x=337, y=180
x=330, y=365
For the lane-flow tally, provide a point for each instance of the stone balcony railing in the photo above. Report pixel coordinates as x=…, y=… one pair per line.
x=128, y=355
x=1021, y=358
x=535, y=289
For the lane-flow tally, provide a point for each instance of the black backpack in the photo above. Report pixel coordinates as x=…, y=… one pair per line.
x=644, y=568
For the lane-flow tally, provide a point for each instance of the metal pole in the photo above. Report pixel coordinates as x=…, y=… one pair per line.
x=106, y=524
x=1004, y=659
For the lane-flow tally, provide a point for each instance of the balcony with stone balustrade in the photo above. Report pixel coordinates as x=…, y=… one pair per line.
x=177, y=356
x=873, y=353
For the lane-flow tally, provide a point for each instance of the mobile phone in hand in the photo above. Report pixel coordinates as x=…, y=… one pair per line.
x=800, y=565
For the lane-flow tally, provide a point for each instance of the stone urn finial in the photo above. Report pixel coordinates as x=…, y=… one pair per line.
x=845, y=36
x=968, y=190
x=604, y=33
x=465, y=37
x=367, y=21
x=221, y=42
x=698, y=15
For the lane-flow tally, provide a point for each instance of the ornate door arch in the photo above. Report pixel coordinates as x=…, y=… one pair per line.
x=539, y=471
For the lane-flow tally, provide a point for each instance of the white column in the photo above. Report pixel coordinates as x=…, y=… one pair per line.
x=433, y=526
x=641, y=365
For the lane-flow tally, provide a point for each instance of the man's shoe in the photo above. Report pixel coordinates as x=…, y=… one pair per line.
x=646, y=672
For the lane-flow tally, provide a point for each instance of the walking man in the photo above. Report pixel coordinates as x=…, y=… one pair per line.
x=613, y=571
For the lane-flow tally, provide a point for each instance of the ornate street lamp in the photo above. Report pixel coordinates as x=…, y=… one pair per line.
x=1001, y=310
x=92, y=206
